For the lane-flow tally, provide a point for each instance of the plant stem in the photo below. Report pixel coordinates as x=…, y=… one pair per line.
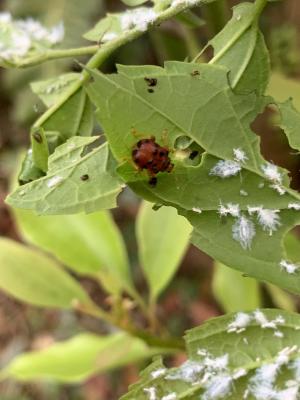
x=259, y=7
x=171, y=343
x=57, y=54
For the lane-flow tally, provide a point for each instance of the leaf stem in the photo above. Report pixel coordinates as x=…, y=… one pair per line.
x=57, y=54
x=166, y=342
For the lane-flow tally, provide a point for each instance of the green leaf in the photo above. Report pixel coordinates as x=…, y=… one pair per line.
x=185, y=104
x=231, y=357
x=51, y=90
x=262, y=261
x=36, y=279
x=106, y=28
x=240, y=40
x=78, y=358
x=163, y=237
x=88, y=244
x=290, y=122
x=234, y=291
x=68, y=118
x=75, y=181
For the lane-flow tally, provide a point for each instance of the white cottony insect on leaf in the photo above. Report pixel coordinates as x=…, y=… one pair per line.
x=18, y=37
x=240, y=323
x=139, y=18
x=225, y=169
x=197, y=210
x=151, y=391
x=229, y=209
x=280, y=189
x=243, y=231
x=159, y=372
x=272, y=173
x=268, y=219
x=54, y=181
x=170, y=396
x=289, y=267
x=294, y=206
x=218, y=387
x=239, y=155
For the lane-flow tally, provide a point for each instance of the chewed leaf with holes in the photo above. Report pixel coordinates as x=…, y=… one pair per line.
x=76, y=181
x=241, y=40
x=243, y=355
x=230, y=192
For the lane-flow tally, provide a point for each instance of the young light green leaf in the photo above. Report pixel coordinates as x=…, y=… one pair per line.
x=78, y=358
x=51, y=90
x=88, y=244
x=75, y=181
x=162, y=237
x=233, y=291
x=243, y=355
x=241, y=40
x=106, y=29
x=36, y=279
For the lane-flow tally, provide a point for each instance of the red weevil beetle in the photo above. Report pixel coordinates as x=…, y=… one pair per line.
x=149, y=155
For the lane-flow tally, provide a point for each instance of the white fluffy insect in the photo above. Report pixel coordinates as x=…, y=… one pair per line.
x=268, y=219
x=170, y=396
x=272, y=173
x=151, y=391
x=197, y=210
x=188, y=372
x=229, y=209
x=158, y=372
x=289, y=267
x=243, y=231
x=140, y=19
x=294, y=206
x=218, y=387
x=240, y=323
x=54, y=181
x=225, y=169
x=280, y=189
x=239, y=155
